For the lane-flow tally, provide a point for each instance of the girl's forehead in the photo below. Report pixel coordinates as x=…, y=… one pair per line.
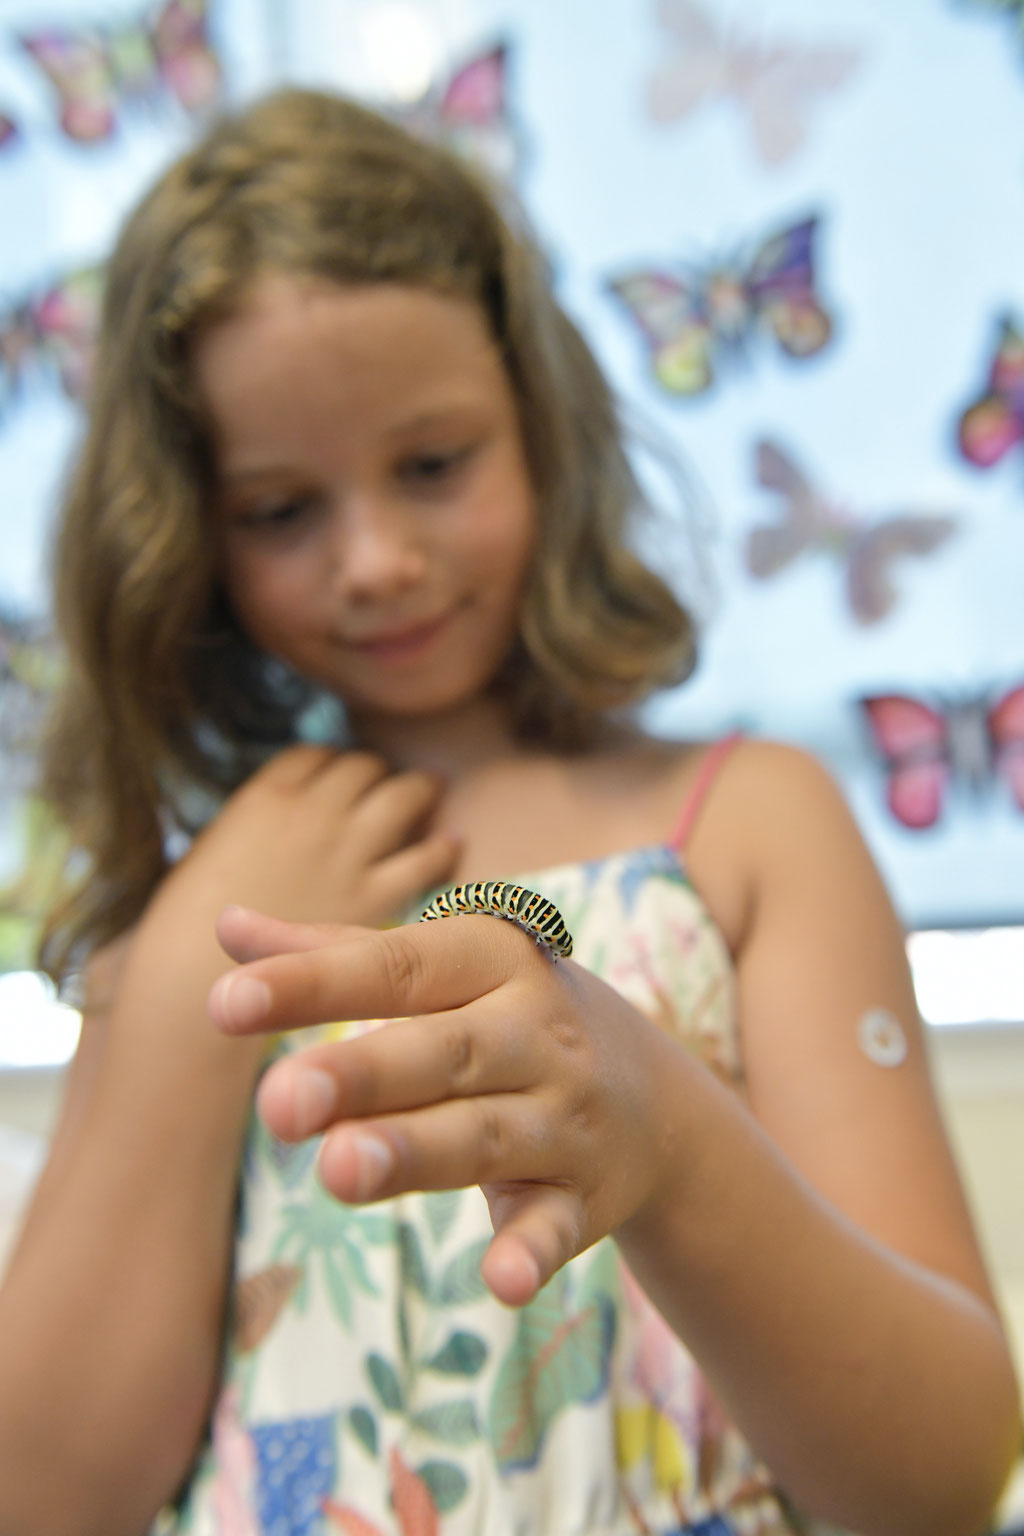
x=309, y=356
x=286, y=299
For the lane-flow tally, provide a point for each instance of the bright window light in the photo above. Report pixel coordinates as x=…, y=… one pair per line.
x=969, y=976
x=402, y=48
x=36, y=1029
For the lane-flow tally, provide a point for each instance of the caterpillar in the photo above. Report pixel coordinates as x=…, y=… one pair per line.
x=534, y=914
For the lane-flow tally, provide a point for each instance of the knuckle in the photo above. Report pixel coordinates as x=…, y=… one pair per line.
x=404, y=968
x=492, y=1141
x=568, y=1033
x=460, y=1056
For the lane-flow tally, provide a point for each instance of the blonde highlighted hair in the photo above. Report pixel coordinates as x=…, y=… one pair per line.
x=163, y=689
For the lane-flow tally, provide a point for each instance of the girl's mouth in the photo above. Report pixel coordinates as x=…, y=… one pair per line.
x=401, y=644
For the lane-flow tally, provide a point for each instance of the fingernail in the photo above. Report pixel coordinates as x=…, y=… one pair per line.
x=243, y=1000
x=375, y=1159
x=313, y=1096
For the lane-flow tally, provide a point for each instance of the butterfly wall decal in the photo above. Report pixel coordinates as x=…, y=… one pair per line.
x=468, y=112
x=775, y=84
x=8, y=130
x=810, y=523
x=50, y=334
x=994, y=423
x=96, y=71
x=701, y=316
x=926, y=746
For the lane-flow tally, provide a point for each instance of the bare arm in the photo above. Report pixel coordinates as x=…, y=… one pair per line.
x=821, y=1261
x=111, y=1314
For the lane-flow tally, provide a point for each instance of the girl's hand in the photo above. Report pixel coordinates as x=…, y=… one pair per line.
x=498, y=1068
x=318, y=833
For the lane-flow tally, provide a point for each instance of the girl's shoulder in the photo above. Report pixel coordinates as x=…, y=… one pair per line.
x=748, y=810
x=759, y=784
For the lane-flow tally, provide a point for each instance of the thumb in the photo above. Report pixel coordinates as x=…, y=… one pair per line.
x=537, y=1229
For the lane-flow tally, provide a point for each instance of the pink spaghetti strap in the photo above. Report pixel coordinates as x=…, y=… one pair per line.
x=707, y=770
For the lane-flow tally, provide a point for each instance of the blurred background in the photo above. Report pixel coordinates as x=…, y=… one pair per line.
x=794, y=235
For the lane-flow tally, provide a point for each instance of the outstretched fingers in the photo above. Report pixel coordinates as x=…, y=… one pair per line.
x=358, y=973
x=409, y=1063
x=247, y=935
x=460, y=1087
x=451, y=1145
x=500, y=1142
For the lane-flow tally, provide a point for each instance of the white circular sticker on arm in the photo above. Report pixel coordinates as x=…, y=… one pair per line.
x=881, y=1037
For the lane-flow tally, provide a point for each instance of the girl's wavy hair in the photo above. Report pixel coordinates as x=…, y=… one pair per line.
x=164, y=694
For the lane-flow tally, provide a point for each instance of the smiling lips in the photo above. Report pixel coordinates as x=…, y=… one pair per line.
x=401, y=644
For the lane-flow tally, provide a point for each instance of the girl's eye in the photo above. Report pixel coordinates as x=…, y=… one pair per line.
x=433, y=468
x=274, y=515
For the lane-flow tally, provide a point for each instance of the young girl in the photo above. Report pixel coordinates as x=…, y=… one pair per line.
x=344, y=445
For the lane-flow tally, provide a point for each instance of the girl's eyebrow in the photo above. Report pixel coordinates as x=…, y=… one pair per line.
x=446, y=413
x=238, y=474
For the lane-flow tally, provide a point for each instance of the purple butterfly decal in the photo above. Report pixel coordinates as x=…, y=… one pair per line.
x=702, y=316
x=97, y=70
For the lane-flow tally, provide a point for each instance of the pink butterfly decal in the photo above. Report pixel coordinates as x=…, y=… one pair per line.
x=95, y=71
x=926, y=746
x=469, y=114
x=810, y=524
x=8, y=130
x=188, y=65
x=994, y=424
x=66, y=317
x=51, y=333
x=703, y=315
x=774, y=84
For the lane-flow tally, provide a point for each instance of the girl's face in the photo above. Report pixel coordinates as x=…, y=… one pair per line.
x=375, y=513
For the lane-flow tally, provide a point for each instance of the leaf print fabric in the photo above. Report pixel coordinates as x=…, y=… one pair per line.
x=373, y=1386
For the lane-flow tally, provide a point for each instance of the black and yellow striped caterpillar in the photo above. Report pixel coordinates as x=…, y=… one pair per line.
x=534, y=914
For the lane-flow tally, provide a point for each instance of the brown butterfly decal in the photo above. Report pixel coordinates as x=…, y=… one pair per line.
x=809, y=523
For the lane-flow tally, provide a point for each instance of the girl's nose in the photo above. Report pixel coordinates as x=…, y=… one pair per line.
x=374, y=553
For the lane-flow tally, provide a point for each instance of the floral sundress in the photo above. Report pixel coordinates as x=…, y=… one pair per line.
x=373, y=1385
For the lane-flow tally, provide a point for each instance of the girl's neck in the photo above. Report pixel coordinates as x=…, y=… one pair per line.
x=452, y=745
